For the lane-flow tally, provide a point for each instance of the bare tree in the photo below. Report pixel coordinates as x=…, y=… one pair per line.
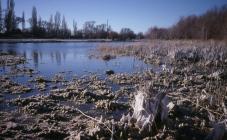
x=210, y=25
x=1, y=18
x=10, y=22
x=127, y=33
x=40, y=23
x=89, y=29
x=50, y=26
x=23, y=21
x=64, y=28
x=57, y=23
x=101, y=31
x=74, y=28
x=34, y=20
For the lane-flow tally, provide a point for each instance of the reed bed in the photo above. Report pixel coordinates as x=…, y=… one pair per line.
x=186, y=99
x=194, y=77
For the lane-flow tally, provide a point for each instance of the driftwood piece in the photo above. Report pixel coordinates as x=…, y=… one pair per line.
x=147, y=111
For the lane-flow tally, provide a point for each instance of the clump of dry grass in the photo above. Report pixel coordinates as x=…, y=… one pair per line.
x=192, y=51
x=149, y=110
x=8, y=60
x=198, y=68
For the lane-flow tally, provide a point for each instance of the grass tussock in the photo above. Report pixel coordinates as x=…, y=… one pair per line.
x=194, y=77
x=161, y=51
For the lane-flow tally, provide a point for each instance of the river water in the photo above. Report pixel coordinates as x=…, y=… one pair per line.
x=68, y=59
x=51, y=58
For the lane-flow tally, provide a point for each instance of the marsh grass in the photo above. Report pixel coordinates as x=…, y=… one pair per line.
x=196, y=78
x=192, y=51
x=187, y=99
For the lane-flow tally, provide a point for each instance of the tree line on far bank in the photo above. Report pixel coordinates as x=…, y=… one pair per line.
x=12, y=26
x=210, y=25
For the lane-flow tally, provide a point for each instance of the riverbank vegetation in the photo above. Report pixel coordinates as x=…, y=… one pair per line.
x=14, y=26
x=182, y=94
x=184, y=99
x=210, y=25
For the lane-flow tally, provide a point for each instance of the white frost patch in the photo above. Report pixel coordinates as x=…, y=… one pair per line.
x=147, y=109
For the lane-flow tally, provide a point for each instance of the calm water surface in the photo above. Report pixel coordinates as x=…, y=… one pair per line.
x=69, y=59
x=52, y=58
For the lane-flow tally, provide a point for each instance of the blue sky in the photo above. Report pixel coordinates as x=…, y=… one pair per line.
x=138, y=15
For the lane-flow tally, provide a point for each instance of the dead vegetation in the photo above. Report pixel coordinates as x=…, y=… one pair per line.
x=187, y=99
x=189, y=80
x=7, y=59
x=162, y=52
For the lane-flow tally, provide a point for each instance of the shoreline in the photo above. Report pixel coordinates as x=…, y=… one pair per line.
x=60, y=40
x=191, y=93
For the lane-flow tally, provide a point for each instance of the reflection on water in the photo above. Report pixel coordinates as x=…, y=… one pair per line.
x=51, y=58
x=35, y=57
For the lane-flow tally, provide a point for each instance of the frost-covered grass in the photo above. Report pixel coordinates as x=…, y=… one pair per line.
x=194, y=76
x=193, y=50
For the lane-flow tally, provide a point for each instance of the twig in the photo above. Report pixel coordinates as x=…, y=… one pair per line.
x=95, y=120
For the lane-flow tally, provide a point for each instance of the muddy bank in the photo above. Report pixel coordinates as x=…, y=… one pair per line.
x=51, y=40
x=57, y=115
x=185, y=100
x=9, y=60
